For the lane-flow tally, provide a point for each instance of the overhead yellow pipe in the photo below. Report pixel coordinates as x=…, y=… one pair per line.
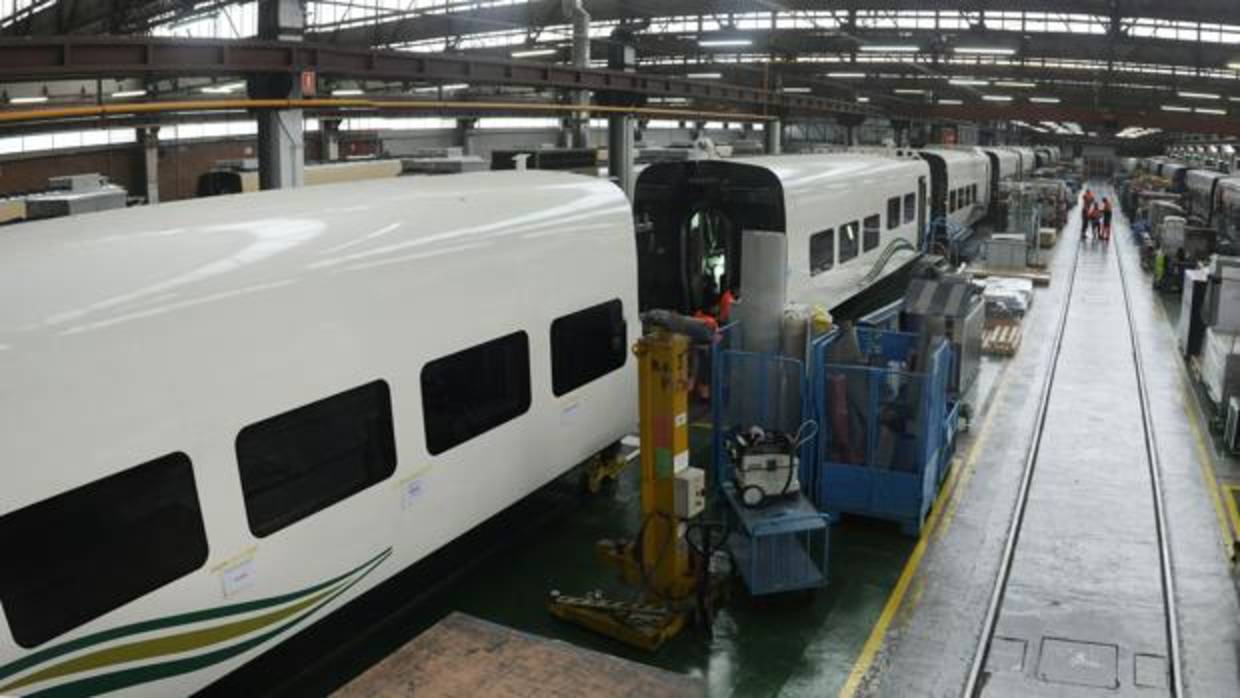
x=26, y=115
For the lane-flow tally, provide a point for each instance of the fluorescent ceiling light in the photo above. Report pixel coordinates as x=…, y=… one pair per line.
x=713, y=43
x=1022, y=85
x=128, y=93
x=798, y=90
x=845, y=76
x=863, y=100
x=996, y=98
x=1172, y=107
x=1234, y=66
x=531, y=53
x=1044, y=100
x=224, y=88
x=347, y=93
x=950, y=101
x=963, y=81
x=897, y=48
x=908, y=91
x=1203, y=110
x=704, y=76
x=985, y=50
x=28, y=100
x=446, y=88
x=1198, y=95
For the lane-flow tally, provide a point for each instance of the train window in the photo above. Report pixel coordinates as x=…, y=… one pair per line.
x=849, y=242
x=76, y=556
x=821, y=251
x=471, y=392
x=586, y=345
x=302, y=461
x=951, y=206
x=893, y=213
x=973, y=195
x=910, y=208
x=872, y=230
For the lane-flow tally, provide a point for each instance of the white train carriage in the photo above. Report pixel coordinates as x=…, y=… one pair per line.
x=960, y=183
x=850, y=218
x=1028, y=160
x=221, y=423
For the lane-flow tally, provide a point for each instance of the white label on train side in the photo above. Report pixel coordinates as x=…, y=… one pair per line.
x=238, y=577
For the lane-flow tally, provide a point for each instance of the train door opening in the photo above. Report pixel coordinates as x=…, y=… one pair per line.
x=690, y=216
x=921, y=210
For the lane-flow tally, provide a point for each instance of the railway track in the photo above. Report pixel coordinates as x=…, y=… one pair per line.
x=1005, y=663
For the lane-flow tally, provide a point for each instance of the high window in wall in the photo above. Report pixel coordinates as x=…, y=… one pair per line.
x=475, y=390
x=850, y=241
x=587, y=345
x=821, y=251
x=302, y=461
x=74, y=557
x=871, y=232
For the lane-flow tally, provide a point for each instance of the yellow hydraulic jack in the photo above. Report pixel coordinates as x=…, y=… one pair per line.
x=660, y=561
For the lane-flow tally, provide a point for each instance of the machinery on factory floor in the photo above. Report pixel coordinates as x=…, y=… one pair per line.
x=673, y=576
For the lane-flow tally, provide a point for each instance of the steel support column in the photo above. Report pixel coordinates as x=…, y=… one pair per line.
x=281, y=139
x=329, y=139
x=773, y=137
x=148, y=138
x=620, y=151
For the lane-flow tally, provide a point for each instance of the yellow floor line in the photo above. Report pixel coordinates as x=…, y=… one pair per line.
x=1232, y=491
x=875, y=641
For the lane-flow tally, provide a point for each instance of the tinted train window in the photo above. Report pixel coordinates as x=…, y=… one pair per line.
x=586, y=345
x=475, y=390
x=849, y=241
x=973, y=194
x=76, y=556
x=910, y=208
x=893, y=213
x=303, y=461
x=821, y=251
x=871, y=235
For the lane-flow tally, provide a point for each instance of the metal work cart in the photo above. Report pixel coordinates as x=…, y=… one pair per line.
x=886, y=433
x=782, y=545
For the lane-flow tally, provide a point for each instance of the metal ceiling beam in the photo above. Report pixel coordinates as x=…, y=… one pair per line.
x=422, y=25
x=111, y=57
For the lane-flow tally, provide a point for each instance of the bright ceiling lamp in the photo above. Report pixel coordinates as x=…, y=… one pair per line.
x=967, y=81
x=723, y=43
x=890, y=48
x=798, y=90
x=952, y=102
x=123, y=94
x=984, y=50
x=28, y=100
x=705, y=76
x=348, y=92
x=1018, y=85
x=1218, y=112
x=846, y=76
x=1234, y=66
x=1172, y=107
x=533, y=53
x=1044, y=100
x=996, y=98
x=863, y=100
x=1199, y=95
x=908, y=91
x=450, y=87
x=224, y=89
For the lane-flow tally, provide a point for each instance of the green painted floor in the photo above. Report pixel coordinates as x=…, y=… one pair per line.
x=799, y=645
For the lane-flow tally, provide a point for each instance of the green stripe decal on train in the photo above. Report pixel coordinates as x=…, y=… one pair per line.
x=301, y=605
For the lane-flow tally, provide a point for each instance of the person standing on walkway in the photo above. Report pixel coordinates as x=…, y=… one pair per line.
x=1086, y=208
x=1106, y=218
x=1095, y=220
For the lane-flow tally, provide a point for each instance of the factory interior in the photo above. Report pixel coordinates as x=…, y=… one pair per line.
x=871, y=348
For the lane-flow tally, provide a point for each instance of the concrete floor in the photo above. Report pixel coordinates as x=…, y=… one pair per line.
x=1086, y=566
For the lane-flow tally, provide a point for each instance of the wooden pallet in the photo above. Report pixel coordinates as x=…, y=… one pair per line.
x=1001, y=340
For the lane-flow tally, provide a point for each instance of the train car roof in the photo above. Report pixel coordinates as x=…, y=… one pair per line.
x=791, y=168
x=953, y=155
x=125, y=259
